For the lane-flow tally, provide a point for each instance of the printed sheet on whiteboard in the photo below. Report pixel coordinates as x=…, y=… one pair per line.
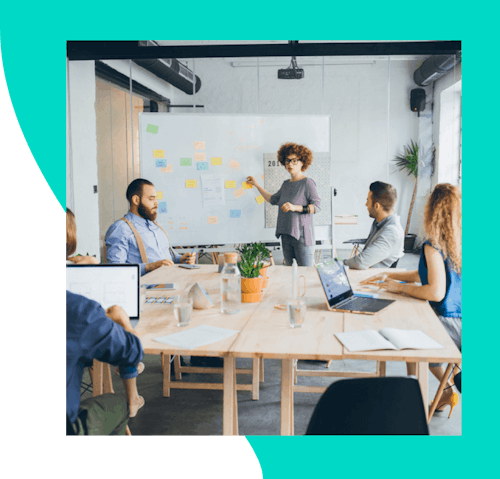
x=275, y=174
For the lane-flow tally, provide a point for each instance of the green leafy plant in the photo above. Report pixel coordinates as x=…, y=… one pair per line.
x=252, y=256
x=408, y=163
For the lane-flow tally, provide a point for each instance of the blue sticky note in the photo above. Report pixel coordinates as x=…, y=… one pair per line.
x=202, y=165
x=162, y=206
x=235, y=214
x=161, y=163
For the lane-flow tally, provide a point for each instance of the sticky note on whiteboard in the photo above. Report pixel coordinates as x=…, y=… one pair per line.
x=260, y=199
x=239, y=192
x=190, y=183
x=168, y=169
x=162, y=206
x=230, y=184
x=160, y=163
x=217, y=161
x=213, y=220
x=152, y=129
x=185, y=161
x=246, y=186
x=233, y=164
x=158, y=153
x=200, y=156
x=159, y=195
x=199, y=145
x=235, y=213
x=202, y=165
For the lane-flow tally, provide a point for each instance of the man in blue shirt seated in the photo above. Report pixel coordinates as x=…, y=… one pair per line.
x=108, y=336
x=384, y=245
x=139, y=239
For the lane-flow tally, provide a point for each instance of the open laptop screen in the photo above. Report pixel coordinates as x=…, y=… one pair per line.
x=334, y=281
x=108, y=284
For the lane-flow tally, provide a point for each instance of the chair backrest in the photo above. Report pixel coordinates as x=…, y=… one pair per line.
x=395, y=264
x=370, y=406
x=458, y=381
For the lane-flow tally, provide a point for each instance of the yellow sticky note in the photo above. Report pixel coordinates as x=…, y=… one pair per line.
x=260, y=199
x=190, y=183
x=158, y=153
x=217, y=161
x=199, y=145
x=159, y=195
x=246, y=186
x=239, y=192
x=230, y=184
x=213, y=220
x=200, y=157
x=233, y=164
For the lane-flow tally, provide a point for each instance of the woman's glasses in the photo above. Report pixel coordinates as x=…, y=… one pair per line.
x=291, y=162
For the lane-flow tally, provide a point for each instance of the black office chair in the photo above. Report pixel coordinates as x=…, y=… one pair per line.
x=370, y=406
x=458, y=381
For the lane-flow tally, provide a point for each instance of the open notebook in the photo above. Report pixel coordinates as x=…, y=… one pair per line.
x=387, y=338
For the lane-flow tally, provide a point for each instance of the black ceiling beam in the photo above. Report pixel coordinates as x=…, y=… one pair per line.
x=105, y=50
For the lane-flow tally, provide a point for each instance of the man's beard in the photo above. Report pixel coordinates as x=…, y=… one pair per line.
x=145, y=213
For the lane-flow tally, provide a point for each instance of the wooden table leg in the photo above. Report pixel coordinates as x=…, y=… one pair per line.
x=261, y=365
x=106, y=379
x=235, y=406
x=382, y=368
x=165, y=367
x=287, y=397
x=255, y=378
x=97, y=373
x=177, y=367
x=423, y=379
x=440, y=390
x=228, y=398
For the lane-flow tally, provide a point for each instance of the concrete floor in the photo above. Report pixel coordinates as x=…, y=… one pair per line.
x=199, y=412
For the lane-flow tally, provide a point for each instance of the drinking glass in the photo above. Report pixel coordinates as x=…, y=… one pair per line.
x=183, y=307
x=296, y=311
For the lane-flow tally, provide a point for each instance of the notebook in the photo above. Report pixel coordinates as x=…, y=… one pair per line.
x=108, y=284
x=339, y=294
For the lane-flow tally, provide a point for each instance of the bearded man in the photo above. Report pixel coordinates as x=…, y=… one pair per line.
x=137, y=238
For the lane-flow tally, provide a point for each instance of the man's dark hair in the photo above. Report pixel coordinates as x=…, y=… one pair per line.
x=384, y=194
x=136, y=187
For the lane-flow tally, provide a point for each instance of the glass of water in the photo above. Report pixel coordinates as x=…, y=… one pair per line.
x=183, y=307
x=296, y=311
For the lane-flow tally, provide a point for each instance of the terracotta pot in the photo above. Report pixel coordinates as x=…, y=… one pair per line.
x=251, y=297
x=251, y=285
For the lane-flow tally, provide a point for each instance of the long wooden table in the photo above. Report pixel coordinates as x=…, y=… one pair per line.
x=265, y=331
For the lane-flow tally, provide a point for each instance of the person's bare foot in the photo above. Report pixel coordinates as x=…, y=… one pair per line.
x=135, y=406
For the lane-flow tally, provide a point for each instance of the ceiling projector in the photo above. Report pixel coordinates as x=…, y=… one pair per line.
x=292, y=72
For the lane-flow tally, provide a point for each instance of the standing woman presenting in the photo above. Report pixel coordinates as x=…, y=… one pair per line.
x=298, y=201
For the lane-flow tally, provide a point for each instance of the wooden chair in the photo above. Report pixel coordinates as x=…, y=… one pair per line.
x=442, y=385
x=356, y=244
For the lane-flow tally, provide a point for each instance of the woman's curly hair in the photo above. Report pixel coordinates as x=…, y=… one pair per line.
x=443, y=223
x=303, y=153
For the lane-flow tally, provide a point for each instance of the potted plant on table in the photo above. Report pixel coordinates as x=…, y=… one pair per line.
x=251, y=265
x=408, y=163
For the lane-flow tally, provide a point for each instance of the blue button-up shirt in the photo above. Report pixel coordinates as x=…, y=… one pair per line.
x=121, y=245
x=90, y=335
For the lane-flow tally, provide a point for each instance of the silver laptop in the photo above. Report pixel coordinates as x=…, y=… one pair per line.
x=339, y=294
x=108, y=284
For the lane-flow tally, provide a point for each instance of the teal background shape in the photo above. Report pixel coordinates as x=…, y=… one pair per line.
x=33, y=41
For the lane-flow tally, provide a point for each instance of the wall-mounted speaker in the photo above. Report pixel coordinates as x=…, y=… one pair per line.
x=417, y=100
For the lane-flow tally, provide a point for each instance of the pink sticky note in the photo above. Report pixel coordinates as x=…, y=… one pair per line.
x=239, y=192
x=233, y=164
x=199, y=156
x=213, y=220
x=199, y=145
x=168, y=169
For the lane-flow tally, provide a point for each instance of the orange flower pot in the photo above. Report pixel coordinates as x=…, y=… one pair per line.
x=251, y=285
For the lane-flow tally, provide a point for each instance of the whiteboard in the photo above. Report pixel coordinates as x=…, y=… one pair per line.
x=180, y=153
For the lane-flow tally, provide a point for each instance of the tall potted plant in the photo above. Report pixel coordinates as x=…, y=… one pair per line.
x=408, y=163
x=251, y=281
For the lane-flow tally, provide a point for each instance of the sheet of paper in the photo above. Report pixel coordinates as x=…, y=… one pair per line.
x=239, y=192
x=233, y=164
x=159, y=195
x=230, y=184
x=410, y=339
x=196, y=337
x=152, y=129
x=185, y=161
x=161, y=163
x=212, y=191
x=200, y=156
x=199, y=145
x=216, y=161
x=260, y=199
x=158, y=153
x=191, y=183
x=367, y=340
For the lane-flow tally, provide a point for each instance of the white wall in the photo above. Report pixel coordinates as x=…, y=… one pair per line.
x=83, y=154
x=364, y=136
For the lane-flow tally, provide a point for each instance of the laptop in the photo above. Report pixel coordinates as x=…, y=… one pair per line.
x=339, y=294
x=108, y=284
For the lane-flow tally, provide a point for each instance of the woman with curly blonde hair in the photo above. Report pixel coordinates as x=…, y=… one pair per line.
x=439, y=272
x=298, y=201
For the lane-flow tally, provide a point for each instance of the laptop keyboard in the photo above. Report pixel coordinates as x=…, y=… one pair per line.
x=356, y=303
